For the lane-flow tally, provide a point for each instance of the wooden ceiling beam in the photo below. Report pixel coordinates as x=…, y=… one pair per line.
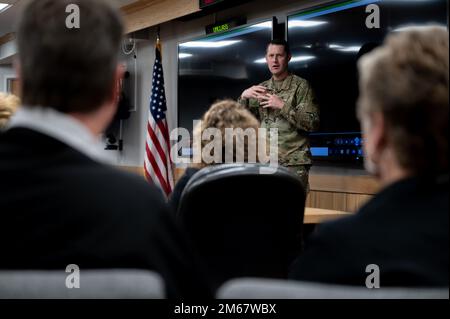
x=147, y=13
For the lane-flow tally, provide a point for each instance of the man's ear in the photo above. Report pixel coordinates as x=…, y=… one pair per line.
x=118, y=76
x=379, y=133
x=289, y=57
x=18, y=69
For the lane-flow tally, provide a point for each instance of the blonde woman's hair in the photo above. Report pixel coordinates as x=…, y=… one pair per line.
x=8, y=105
x=228, y=114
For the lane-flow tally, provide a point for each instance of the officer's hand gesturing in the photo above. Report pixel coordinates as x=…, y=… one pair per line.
x=272, y=101
x=255, y=92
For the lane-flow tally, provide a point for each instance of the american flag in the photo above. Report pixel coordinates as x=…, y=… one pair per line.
x=157, y=163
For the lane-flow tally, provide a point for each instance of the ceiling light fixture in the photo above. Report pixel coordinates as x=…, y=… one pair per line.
x=305, y=23
x=300, y=58
x=184, y=55
x=267, y=25
x=4, y=6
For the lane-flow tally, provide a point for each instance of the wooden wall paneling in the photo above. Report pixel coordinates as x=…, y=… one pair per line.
x=355, y=184
x=336, y=201
x=178, y=172
x=355, y=201
x=140, y=171
x=133, y=169
x=15, y=87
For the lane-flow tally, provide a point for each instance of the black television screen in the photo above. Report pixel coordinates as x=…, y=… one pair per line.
x=218, y=67
x=326, y=43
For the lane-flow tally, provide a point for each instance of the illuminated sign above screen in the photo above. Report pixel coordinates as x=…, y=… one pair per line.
x=225, y=26
x=207, y=3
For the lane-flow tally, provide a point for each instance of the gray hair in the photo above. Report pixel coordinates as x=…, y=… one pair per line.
x=407, y=80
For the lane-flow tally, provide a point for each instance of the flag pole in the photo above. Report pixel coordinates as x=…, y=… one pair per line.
x=158, y=38
x=158, y=165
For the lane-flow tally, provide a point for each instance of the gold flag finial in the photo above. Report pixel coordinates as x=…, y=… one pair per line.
x=158, y=38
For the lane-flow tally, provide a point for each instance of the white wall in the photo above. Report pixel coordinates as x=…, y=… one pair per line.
x=5, y=71
x=171, y=34
x=7, y=50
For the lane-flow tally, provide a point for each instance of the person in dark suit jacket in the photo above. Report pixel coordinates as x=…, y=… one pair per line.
x=400, y=237
x=60, y=204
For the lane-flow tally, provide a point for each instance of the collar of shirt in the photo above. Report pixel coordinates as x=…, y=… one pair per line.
x=61, y=127
x=285, y=85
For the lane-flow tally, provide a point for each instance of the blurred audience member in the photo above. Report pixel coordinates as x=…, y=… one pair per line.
x=59, y=204
x=8, y=105
x=403, y=231
x=222, y=115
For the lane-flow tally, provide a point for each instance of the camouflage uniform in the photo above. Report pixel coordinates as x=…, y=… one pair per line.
x=299, y=116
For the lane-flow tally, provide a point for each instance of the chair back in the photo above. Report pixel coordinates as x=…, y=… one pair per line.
x=259, y=288
x=93, y=284
x=243, y=221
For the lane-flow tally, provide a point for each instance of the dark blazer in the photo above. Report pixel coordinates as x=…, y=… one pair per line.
x=403, y=230
x=175, y=197
x=59, y=207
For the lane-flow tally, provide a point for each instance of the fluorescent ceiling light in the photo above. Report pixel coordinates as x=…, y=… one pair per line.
x=208, y=44
x=4, y=6
x=352, y=48
x=263, y=60
x=267, y=25
x=184, y=55
x=305, y=23
x=300, y=58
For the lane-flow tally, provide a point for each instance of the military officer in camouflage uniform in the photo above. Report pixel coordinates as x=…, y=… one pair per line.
x=285, y=102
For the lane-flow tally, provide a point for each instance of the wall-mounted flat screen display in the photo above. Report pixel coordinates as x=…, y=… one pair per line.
x=327, y=42
x=219, y=66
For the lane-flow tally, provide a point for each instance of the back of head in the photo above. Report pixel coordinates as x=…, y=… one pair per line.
x=406, y=80
x=228, y=121
x=68, y=68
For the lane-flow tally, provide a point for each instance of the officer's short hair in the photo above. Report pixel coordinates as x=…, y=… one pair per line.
x=407, y=81
x=69, y=69
x=282, y=42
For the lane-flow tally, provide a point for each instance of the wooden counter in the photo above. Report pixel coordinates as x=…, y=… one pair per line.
x=318, y=215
